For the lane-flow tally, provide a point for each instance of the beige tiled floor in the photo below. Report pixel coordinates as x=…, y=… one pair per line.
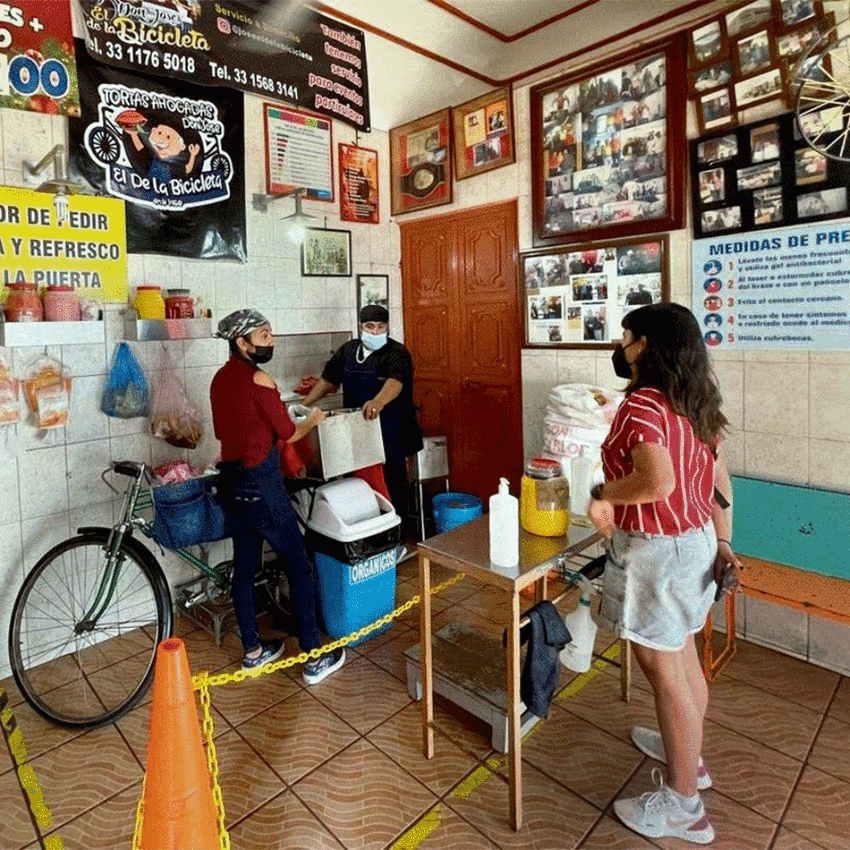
x=339, y=765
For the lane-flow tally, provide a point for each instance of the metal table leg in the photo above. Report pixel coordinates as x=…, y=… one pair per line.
x=426, y=657
x=514, y=717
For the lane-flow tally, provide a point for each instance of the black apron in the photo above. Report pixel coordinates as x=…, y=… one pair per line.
x=361, y=383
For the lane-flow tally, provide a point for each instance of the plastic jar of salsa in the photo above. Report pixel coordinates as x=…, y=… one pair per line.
x=23, y=303
x=61, y=304
x=179, y=304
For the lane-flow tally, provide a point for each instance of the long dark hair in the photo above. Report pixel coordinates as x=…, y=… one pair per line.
x=675, y=361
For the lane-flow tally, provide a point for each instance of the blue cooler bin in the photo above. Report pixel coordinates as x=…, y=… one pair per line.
x=454, y=509
x=352, y=535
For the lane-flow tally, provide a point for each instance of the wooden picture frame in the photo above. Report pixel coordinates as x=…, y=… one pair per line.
x=758, y=88
x=576, y=296
x=358, y=184
x=754, y=53
x=483, y=133
x=716, y=109
x=710, y=77
x=789, y=14
x=421, y=163
x=326, y=253
x=793, y=43
x=293, y=136
x=373, y=289
x=707, y=44
x=748, y=17
x=604, y=162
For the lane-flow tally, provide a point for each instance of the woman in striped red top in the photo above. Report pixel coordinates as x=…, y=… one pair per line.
x=667, y=538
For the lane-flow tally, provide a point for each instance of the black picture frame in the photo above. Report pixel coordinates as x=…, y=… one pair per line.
x=326, y=253
x=574, y=296
x=604, y=160
x=373, y=289
x=771, y=178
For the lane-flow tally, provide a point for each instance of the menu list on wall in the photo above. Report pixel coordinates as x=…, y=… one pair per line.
x=284, y=51
x=787, y=288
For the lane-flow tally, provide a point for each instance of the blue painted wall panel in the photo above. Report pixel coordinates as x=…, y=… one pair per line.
x=797, y=526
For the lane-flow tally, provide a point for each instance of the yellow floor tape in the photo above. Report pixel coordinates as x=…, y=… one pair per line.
x=26, y=775
x=429, y=822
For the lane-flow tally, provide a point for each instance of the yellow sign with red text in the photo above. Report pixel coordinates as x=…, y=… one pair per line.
x=58, y=240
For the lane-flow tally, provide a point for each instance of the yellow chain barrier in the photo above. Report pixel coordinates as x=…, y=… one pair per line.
x=204, y=681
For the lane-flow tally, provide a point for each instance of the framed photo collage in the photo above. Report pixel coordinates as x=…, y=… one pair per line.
x=764, y=175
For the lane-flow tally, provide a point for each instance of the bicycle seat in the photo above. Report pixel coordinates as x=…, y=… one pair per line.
x=127, y=467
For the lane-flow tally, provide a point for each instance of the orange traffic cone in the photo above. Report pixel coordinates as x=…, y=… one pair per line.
x=179, y=812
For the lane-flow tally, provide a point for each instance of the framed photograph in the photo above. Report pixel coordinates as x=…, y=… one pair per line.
x=712, y=185
x=715, y=110
x=809, y=166
x=755, y=52
x=826, y=202
x=758, y=176
x=758, y=88
x=576, y=297
x=711, y=77
x=421, y=163
x=358, y=184
x=707, y=44
x=764, y=142
x=767, y=205
x=791, y=45
x=603, y=159
x=748, y=17
x=791, y=13
x=293, y=137
x=717, y=149
x=483, y=133
x=373, y=289
x=326, y=253
x=721, y=220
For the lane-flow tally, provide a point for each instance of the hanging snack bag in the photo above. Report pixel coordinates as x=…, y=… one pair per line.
x=172, y=418
x=126, y=392
x=47, y=388
x=10, y=411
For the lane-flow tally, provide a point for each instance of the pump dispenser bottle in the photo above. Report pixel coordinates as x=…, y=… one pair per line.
x=577, y=654
x=504, y=527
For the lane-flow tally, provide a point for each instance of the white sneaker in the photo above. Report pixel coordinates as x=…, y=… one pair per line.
x=649, y=741
x=659, y=814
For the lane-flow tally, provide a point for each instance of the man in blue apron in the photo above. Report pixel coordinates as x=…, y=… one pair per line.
x=376, y=375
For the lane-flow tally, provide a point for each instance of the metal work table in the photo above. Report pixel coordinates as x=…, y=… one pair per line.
x=466, y=549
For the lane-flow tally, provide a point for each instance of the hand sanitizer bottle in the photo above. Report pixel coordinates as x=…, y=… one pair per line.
x=504, y=527
x=577, y=654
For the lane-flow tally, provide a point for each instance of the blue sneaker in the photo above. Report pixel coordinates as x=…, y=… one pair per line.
x=320, y=668
x=269, y=651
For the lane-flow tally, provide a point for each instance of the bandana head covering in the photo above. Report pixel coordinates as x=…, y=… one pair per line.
x=374, y=313
x=240, y=323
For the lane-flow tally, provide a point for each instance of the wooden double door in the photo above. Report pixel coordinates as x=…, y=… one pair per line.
x=463, y=328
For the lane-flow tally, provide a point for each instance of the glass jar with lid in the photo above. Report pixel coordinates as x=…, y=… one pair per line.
x=23, y=303
x=61, y=304
x=545, y=498
x=179, y=304
x=148, y=302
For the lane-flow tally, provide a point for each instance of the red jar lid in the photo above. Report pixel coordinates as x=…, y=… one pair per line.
x=21, y=286
x=60, y=288
x=543, y=467
x=140, y=288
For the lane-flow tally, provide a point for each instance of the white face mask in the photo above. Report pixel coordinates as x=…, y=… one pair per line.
x=373, y=341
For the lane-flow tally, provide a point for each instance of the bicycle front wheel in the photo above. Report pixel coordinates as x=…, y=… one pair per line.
x=74, y=669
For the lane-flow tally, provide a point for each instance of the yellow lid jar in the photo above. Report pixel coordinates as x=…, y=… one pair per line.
x=544, y=499
x=149, y=303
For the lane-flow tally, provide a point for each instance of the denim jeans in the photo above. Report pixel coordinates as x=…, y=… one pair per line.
x=260, y=503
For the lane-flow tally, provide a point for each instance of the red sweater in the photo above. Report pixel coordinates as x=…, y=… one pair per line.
x=248, y=419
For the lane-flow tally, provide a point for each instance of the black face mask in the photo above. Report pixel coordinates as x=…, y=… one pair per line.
x=261, y=354
x=622, y=369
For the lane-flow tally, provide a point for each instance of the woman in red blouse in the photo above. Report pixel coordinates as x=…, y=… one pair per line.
x=668, y=537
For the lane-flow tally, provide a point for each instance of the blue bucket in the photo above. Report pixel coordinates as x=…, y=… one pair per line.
x=454, y=509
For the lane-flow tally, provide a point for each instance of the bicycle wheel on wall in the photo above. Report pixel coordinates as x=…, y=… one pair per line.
x=83, y=674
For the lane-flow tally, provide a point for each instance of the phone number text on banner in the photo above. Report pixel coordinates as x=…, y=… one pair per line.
x=307, y=59
x=785, y=288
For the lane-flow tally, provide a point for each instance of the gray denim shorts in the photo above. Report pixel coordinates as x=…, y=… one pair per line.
x=658, y=590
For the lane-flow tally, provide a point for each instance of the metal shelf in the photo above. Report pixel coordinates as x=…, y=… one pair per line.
x=19, y=334
x=154, y=329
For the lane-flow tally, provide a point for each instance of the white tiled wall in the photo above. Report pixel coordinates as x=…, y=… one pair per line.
x=55, y=486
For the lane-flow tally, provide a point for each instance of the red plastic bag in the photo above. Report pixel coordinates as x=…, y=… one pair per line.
x=296, y=457
x=172, y=417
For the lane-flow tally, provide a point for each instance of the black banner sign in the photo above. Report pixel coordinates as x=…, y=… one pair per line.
x=298, y=56
x=173, y=151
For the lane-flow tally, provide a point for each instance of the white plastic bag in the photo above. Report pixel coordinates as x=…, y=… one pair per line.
x=585, y=404
x=173, y=419
x=47, y=387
